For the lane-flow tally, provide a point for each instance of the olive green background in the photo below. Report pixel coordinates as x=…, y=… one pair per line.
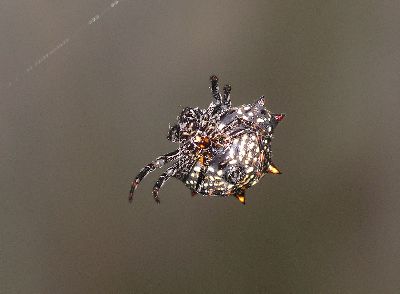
x=77, y=128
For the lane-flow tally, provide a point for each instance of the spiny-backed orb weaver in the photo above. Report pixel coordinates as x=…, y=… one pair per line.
x=222, y=151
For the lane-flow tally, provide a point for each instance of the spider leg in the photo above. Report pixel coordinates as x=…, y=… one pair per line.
x=215, y=89
x=170, y=172
x=158, y=162
x=202, y=172
x=200, y=179
x=220, y=102
x=227, y=96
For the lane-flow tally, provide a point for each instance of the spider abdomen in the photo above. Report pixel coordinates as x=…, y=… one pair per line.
x=238, y=167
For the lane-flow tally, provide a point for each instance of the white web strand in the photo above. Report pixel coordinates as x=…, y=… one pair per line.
x=41, y=60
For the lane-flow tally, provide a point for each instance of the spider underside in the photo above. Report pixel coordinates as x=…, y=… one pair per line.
x=223, y=150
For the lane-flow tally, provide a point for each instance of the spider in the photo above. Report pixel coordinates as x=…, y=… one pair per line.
x=223, y=150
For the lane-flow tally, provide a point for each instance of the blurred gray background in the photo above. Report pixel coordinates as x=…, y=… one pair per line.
x=77, y=128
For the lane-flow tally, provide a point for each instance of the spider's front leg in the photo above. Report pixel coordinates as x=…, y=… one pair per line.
x=170, y=172
x=158, y=162
x=227, y=96
x=215, y=89
x=220, y=101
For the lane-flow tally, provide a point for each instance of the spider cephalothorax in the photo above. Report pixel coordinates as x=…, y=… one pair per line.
x=222, y=151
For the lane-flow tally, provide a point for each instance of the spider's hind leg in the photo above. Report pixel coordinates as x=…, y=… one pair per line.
x=158, y=162
x=170, y=172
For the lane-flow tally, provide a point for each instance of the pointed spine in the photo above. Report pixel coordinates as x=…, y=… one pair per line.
x=272, y=169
